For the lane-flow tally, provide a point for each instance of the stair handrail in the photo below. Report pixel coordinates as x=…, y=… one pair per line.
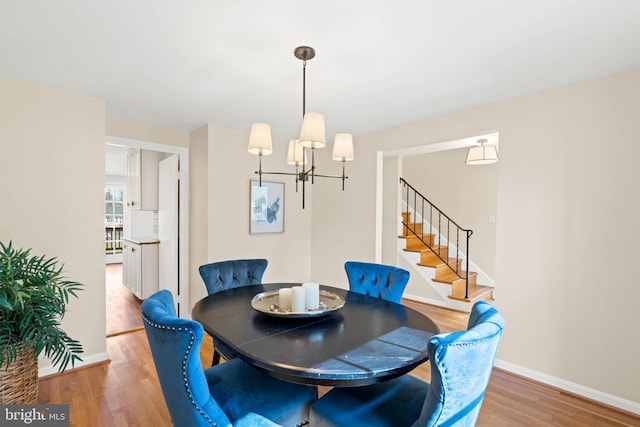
x=429, y=245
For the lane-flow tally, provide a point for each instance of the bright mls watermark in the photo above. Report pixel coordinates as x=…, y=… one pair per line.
x=34, y=415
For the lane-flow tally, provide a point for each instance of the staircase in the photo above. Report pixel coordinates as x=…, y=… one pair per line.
x=436, y=253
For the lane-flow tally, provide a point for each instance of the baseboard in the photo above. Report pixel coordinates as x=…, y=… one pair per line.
x=45, y=371
x=580, y=390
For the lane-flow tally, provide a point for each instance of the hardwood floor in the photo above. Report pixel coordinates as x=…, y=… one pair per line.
x=123, y=308
x=126, y=392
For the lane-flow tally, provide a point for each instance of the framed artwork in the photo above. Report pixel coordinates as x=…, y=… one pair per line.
x=266, y=207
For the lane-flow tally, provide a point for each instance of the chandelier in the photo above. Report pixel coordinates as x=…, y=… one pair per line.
x=312, y=136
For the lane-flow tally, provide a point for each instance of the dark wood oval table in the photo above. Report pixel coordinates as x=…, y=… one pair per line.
x=367, y=341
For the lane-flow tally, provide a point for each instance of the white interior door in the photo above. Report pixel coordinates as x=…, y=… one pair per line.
x=168, y=227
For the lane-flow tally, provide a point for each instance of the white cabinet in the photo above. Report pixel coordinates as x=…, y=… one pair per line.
x=142, y=179
x=140, y=268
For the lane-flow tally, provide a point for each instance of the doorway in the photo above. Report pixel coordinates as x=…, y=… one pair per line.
x=466, y=192
x=119, y=307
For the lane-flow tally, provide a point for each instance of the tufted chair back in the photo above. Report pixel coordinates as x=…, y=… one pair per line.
x=230, y=394
x=223, y=275
x=461, y=364
x=175, y=346
x=377, y=280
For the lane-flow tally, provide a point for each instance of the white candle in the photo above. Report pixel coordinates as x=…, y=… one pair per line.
x=312, y=295
x=284, y=299
x=297, y=302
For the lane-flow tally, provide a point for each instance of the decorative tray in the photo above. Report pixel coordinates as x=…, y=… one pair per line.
x=267, y=303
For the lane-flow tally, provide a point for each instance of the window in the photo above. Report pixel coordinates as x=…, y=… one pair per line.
x=113, y=218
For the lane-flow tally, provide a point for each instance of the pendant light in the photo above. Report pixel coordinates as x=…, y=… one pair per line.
x=312, y=137
x=482, y=154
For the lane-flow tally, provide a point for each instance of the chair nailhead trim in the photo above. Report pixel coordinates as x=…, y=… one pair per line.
x=184, y=363
x=440, y=363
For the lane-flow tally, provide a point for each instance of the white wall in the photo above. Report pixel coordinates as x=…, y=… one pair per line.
x=343, y=221
x=224, y=183
x=390, y=215
x=147, y=133
x=566, y=246
x=199, y=202
x=52, y=184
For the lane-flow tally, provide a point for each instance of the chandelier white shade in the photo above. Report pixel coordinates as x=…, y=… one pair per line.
x=260, y=139
x=343, y=147
x=312, y=134
x=296, y=156
x=482, y=154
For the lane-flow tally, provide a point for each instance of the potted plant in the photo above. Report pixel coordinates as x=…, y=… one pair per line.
x=33, y=299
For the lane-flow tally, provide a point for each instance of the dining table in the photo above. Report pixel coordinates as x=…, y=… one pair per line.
x=364, y=341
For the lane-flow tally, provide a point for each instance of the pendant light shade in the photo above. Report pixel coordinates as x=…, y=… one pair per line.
x=296, y=155
x=482, y=154
x=312, y=134
x=260, y=139
x=343, y=147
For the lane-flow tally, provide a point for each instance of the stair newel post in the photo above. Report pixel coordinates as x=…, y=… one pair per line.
x=466, y=292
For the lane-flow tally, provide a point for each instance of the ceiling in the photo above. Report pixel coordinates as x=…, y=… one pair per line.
x=378, y=64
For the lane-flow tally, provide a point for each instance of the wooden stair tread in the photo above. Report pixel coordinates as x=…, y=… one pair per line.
x=432, y=257
x=428, y=264
x=453, y=263
x=407, y=230
x=434, y=251
x=450, y=277
x=414, y=244
x=426, y=236
x=479, y=292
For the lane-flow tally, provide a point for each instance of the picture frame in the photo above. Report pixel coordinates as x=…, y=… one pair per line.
x=266, y=207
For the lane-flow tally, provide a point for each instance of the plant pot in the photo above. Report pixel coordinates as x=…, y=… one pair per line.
x=19, y=382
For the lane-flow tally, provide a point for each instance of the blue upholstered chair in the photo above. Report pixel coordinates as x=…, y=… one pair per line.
x=223, y=275
x=232, y=393
x=461, y=364
x=377, y=280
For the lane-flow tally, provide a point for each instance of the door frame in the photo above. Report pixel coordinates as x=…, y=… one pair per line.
x=183, y=247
